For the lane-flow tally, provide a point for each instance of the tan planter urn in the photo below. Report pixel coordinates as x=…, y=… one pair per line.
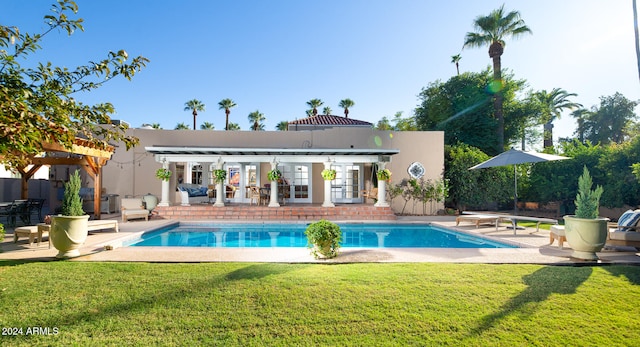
x=68, y=233
x=585, y=236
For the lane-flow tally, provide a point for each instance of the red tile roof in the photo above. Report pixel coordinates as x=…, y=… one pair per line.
x=322, y=119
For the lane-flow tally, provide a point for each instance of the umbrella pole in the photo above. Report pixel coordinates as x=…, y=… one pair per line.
x=515, y=190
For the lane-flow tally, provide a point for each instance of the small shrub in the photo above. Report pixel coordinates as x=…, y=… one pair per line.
x=163, y=174
x=328, y=174
x=71, y=202
x=324, y=238
x=587, y=200
x=219, y=175
x=1, y=232
x=274, y=175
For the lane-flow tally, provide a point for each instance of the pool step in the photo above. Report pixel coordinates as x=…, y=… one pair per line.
x=292, y=212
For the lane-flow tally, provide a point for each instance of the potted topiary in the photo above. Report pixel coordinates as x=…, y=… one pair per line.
x=70, y=230
x=324, y=238
x=585, y=231
x=328, y=174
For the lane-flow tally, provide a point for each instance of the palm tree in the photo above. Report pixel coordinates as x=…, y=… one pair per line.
x=553, y=104
x=327, y=111
x=227, y=105
x=283, y=126
x=194, y=106
x=256, y=118
x=234, y=126
x=346, y=104
x=455, y=59
x=492, y=30
x=156, y=125
x=207, y=126
x=314, y=104
x=181, y=126
x=581, y=115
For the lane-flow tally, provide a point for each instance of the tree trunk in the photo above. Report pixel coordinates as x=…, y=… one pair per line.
x=495, y=51
x=194, y=119
x=226, y=124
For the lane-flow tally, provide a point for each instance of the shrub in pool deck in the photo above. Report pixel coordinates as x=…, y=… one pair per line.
x=324, y=238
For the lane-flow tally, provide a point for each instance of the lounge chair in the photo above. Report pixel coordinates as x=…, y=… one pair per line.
x=625, y=232
x=132, y=208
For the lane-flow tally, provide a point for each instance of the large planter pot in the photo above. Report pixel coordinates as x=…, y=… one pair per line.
x=68, y=233
x=586, y=236
x=150, y=201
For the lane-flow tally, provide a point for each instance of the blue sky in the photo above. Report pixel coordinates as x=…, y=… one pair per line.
x=274, y=56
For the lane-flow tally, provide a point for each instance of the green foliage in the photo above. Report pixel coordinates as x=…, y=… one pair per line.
x=274, y=175
x=219, y=175
x=324, y=238
x=71, y=201
x=36, y=103
x=328, y=174
x=587, y=201
x=612, y=121
x=1, y=232
x=163, y=174
x=384, y=175
x=475, y=188
x=636, y=170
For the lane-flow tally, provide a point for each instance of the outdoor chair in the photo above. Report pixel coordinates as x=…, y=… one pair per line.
x=18, y=208
x=132, y=208
x=254, y=195
x=35, y=206
x=370, y=194
x=625, y=232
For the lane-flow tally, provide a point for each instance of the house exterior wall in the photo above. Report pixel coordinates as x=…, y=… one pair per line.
x=132, y=173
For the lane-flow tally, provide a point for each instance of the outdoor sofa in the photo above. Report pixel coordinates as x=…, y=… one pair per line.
x=626, y=231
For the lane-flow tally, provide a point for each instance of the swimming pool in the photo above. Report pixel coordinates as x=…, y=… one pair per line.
x=292, y=235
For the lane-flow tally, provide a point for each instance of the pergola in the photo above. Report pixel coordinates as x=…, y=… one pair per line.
x=81, y=153
x=219, y=156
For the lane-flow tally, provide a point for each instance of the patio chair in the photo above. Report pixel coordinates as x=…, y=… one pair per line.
x=254, y=195
x=132, y=208
x=18, y=208
x=625, y=232
x=370, y=194
x=35, y=206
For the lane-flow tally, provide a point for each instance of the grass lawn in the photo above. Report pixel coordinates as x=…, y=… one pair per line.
x=253, y=304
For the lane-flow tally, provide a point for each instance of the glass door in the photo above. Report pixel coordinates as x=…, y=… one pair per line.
x=296, y=182
x=346, y=187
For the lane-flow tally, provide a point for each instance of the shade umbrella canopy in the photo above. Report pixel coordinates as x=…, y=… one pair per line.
x=515, y=157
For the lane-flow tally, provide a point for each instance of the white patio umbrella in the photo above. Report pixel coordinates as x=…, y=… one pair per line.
x=515, y=157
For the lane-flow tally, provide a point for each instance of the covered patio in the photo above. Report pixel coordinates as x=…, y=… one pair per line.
x=300, y=168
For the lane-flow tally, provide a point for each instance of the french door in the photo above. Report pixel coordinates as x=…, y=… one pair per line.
x=346, y=187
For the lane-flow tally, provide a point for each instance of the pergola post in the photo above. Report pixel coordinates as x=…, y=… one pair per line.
x=327, y=188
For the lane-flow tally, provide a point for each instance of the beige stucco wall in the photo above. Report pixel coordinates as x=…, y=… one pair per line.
x=132, y=173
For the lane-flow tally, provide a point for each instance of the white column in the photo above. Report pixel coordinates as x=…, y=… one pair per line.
x=164, y=201
x=327, y=188
x=274, y=189
x=382, y=189
x=219, y=188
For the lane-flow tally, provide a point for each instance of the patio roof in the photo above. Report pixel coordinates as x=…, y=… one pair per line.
x=262, y=154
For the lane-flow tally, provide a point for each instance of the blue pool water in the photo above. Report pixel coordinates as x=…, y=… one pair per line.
x=292, y=235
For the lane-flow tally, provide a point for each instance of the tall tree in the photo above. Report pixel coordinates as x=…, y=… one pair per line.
x=181, y=126
x=581, y=115
x=283, y=126
x=234, y=126
x=256, y=118
x=611, y=121
x=552, y=104
x=227, y=105
x=635, y=29
x=383, y=124
x=455, y=59
x=194, y=106
x=327, y=110
x=36, y=103
x=207, y=126
x=492, y=30
x=346, y=104
x=314, y=104
x=156, y=125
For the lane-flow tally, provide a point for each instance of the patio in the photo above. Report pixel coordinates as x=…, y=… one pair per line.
x=534, y=249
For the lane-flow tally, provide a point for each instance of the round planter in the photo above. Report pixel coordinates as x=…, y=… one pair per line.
x=586, y=236
x=68, y=233
x=150, y=201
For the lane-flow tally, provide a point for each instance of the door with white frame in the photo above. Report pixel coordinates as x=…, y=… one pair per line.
x=241, y=176
x=346, y=187
x=297, y=182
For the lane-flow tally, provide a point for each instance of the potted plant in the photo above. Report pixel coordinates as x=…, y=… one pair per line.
x=324, y=238
x=384, y=175
x=219, y=175
x=70, y=229
x=274, y=175
x=328, y=174
x=163, y=174
x=585, y=231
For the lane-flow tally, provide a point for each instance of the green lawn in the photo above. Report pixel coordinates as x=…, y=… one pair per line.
x=245, y=304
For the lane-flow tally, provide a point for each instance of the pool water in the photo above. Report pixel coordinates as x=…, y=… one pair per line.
x=292, y=235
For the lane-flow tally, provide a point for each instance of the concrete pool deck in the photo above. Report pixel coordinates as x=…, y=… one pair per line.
x=535, y=249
